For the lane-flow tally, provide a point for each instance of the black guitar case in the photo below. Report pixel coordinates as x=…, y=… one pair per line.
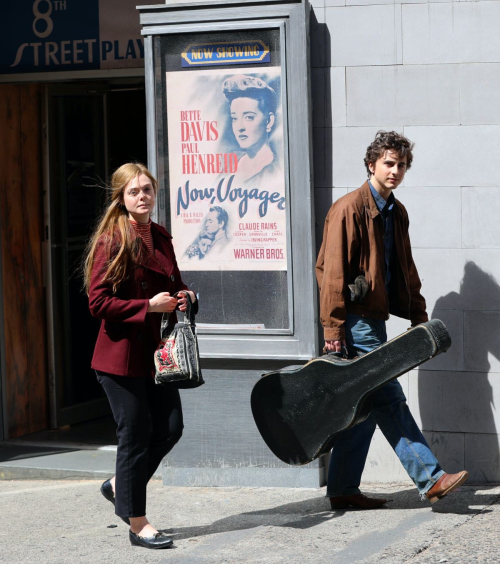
x=299, y=412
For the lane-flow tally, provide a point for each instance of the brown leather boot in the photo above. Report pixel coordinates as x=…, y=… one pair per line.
x=359, y=501
x=446, y=484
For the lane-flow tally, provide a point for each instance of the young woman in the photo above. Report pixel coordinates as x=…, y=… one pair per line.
x=253, y=105
x=130, y=276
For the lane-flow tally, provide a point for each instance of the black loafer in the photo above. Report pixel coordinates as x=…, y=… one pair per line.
x=107, y=492
x=156, y=542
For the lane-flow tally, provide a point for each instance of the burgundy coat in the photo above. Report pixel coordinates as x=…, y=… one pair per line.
x=129, y=335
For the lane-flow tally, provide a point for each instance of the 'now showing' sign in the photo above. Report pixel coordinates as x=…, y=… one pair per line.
x=206, y=54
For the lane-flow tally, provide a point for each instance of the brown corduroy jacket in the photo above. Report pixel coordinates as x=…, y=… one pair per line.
x=353, y=245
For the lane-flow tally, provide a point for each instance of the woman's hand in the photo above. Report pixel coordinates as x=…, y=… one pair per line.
x=183, y=299
x=163, y=303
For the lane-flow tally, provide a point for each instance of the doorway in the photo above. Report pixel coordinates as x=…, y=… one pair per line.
x=92, y=128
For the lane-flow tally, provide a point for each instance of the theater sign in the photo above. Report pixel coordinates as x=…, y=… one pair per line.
x=70, y=35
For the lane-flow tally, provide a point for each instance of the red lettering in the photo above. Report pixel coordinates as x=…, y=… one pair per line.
x=219, y=163
x=201, y=165
x=211, y=164
x=194, y=163
x=213, y=128
x=233, y=162
x=274, y=254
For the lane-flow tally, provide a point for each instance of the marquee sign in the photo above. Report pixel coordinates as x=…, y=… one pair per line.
x=225, y=53
x=67, y=35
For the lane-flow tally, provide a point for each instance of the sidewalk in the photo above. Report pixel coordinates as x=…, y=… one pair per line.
x=19, y=461
x=64, y=519
x=84, y=451
x=62, y=522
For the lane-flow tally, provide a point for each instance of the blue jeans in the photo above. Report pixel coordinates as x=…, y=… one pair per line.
x=390, y=412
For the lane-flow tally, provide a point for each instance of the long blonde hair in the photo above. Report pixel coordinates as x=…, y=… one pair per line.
x=114, y=231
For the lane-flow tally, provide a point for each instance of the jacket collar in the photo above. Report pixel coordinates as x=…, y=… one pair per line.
x=161, y=261
x=369, y=202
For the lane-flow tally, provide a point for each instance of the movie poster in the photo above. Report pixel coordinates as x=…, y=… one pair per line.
x=226, y=169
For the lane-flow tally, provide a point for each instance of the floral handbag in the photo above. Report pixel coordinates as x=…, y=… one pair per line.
x=177, y=359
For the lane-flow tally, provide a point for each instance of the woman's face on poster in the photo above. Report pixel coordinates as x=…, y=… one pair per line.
x=204, y=245
x=250, y=124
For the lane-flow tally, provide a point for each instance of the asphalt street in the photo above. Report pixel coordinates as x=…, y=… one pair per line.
x=68, y=521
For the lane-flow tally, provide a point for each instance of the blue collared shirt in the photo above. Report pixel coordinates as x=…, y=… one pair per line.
x=386, y=209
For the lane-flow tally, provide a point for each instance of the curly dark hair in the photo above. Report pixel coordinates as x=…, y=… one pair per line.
x=389, y=141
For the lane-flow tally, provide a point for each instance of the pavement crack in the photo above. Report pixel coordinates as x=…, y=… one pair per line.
x=468, y=519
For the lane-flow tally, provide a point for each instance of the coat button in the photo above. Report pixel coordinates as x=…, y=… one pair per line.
x=172, y=277
x=144, y=285
x=139, y=335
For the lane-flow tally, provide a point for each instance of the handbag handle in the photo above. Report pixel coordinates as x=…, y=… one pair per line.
x=188, y=314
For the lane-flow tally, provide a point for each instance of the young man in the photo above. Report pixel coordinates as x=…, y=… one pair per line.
x=366, y=234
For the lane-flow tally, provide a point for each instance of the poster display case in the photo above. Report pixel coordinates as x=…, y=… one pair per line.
x=229, y=138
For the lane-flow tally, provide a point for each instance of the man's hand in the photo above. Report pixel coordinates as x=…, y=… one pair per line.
x=335, y=346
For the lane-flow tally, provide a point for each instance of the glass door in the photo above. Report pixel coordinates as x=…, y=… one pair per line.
x=92, y=129
x=77, y=171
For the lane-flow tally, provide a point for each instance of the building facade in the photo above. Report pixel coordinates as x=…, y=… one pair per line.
x=427, y=69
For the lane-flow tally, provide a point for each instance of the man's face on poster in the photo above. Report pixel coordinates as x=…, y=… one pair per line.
x=250, y=124
x=212, y=223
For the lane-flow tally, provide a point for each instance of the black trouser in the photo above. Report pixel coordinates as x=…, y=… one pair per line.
x=149, y=419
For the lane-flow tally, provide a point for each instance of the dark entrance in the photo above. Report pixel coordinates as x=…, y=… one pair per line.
x=92, y=129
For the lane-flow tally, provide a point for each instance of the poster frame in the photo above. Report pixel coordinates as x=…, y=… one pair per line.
x=300, y=340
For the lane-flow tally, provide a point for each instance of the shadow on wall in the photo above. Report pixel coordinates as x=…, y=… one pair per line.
x=455, y=396
x=321, y=94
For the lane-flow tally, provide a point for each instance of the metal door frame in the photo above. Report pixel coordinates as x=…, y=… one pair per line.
x=292, y=19
x=3, y=402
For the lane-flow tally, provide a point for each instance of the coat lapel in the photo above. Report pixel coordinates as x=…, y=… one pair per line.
x=164, y=252
x=162, y=261
x=368, y=200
